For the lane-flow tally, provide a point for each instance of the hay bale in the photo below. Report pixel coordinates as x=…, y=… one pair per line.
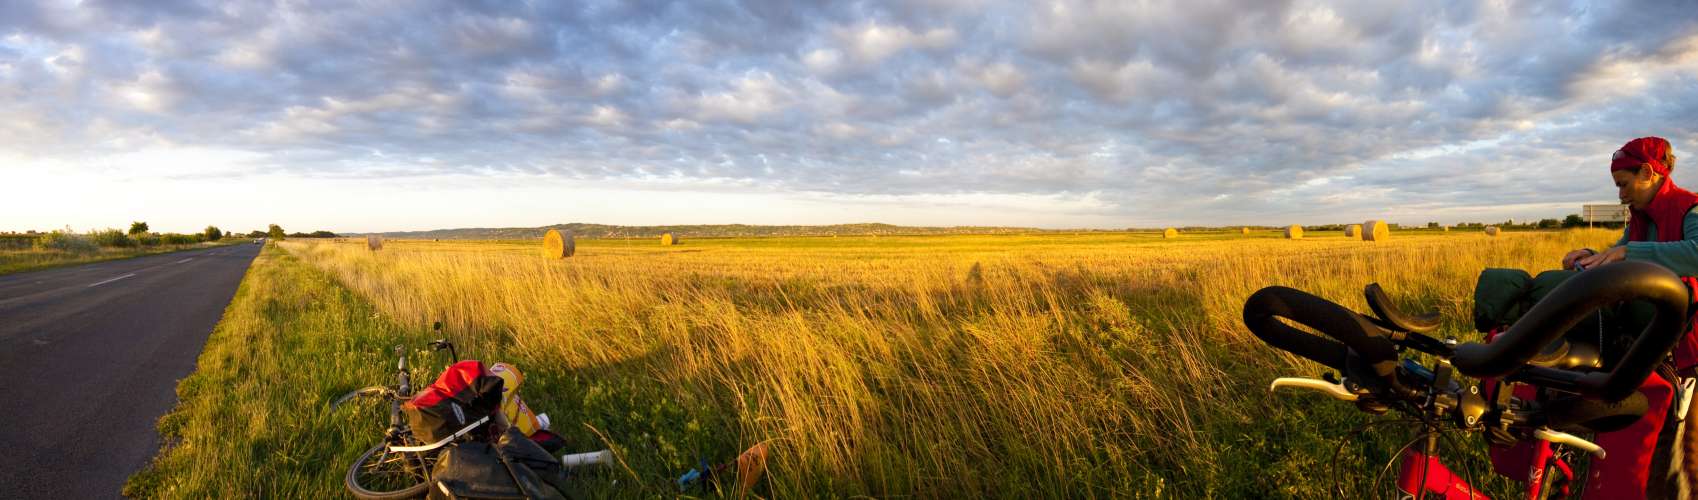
x=1353, y=231
x=1491, y=230
x=374, y=242
x=668, y=239
x=1294, y=232
x=1376, y=230
x=558, y=245
x=1170, y=233
x=1246, y=230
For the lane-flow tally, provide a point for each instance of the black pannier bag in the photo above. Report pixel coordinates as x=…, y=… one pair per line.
x=513, y=468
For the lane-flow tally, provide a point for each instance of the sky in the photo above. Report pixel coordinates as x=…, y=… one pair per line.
x=388, y=116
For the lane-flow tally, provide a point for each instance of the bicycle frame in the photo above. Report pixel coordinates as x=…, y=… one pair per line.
x=1423, y=471
x=398, y=432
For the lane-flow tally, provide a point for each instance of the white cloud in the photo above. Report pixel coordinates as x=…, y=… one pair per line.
x=750, y=98
x=1002, y=78
x=873, y=42
x=607, y=117
x=1213, y=109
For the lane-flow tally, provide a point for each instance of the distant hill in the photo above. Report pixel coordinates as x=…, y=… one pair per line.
x=698, y=231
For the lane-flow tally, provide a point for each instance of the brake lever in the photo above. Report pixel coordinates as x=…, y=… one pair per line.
x=1564, y=438
x=1335, y=391
x=441, y=344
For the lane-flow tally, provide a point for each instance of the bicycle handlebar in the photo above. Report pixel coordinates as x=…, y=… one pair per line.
x=1566, y=306
x=1353, y=332
x=1508, y=354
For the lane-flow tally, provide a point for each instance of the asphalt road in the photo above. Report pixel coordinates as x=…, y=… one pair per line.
x=90, y=357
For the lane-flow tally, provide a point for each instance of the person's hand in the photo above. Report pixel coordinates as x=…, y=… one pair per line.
x=1611, y=255
x=1568, y=260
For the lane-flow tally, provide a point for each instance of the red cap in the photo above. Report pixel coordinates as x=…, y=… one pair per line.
x=1642, y=151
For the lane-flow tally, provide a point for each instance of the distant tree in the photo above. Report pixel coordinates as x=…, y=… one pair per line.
x=256, y=234
x=213, y=233
x=322, y=234
x=1549, y=223
x=138, y=227
x=1573, y=220
x=299, y=235
x=1432, y=225
x=276, y=232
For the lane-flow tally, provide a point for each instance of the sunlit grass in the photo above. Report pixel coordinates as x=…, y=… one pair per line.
x=1066, y=365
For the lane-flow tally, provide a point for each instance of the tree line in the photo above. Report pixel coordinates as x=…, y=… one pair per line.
x=138, y=235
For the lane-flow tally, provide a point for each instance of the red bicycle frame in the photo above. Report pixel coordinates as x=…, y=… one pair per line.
x=1423, y=472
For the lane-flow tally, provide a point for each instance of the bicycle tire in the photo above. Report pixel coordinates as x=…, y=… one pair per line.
x=352, y=483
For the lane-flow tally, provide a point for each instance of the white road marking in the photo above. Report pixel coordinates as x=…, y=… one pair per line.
x=111, y=280
x=185, y=260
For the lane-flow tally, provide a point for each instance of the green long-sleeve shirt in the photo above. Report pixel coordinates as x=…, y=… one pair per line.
x=1679, y=256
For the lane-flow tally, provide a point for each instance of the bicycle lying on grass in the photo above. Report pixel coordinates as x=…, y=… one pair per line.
x=1575, y=393
x=401, y=465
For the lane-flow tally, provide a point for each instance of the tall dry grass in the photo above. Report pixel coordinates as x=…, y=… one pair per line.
x=1015, y=366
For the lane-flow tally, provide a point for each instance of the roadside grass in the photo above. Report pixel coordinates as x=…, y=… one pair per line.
x=29, y=259
x=253, y=419
x=1088, y=365
x=1011, y=366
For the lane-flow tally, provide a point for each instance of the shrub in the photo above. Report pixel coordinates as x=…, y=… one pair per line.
x=148, y=239
x=112, y=238
x=66, y=241
x=212, y=233
x=179, y=239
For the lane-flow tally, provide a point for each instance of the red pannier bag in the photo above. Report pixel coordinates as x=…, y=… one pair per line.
x=465, y=392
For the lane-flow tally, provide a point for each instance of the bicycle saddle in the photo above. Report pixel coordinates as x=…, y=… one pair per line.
x=1398, y=320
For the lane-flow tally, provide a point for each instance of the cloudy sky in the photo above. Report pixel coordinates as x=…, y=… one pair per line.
x=377, y=115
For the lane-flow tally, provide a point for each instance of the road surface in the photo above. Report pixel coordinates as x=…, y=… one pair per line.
x=90, y=357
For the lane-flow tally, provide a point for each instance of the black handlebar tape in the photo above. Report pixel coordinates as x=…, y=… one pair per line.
x=1573, y=301
x=1581, y=414
x=1381, y=305
x=1262, y=310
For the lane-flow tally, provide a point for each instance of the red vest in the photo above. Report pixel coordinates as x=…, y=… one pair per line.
x=1668, y=211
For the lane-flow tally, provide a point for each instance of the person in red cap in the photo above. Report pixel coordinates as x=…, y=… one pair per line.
x=1661, y=228
x=1660, y=211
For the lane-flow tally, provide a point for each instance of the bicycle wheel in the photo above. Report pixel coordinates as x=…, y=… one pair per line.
x=383, y=475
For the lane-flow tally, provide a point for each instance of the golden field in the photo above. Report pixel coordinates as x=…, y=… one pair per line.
x=1090, y=365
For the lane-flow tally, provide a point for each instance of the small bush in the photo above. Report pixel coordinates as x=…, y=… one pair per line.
x=148, y=239
x=66, y=241
x=180, y=239
x=112, y=238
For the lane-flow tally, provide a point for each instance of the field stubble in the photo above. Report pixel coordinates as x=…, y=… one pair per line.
x=1019, y=366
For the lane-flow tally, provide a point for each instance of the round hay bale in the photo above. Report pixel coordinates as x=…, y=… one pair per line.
x=1294, y=232
x=1353, y=231
x=374, y=242
x=1170, y=233
x=1491, y=230
x=558, y=245
x=668, y=239
x=1376, y=230
x=1246, y=230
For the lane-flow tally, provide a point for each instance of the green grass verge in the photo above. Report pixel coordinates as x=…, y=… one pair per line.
x=253, y=420
x=17, y=261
